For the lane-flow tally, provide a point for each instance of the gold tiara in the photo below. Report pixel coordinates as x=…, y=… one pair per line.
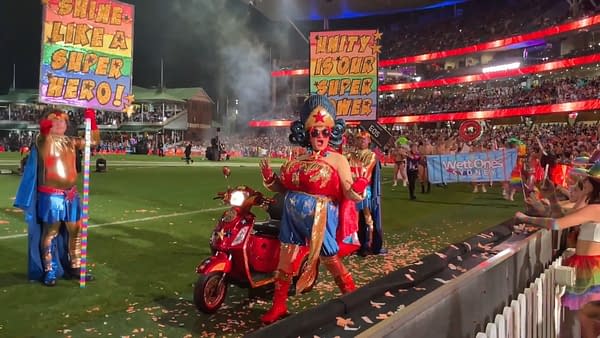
x=319, y=117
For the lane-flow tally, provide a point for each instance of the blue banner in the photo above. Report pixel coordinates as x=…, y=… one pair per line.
x=491, y=166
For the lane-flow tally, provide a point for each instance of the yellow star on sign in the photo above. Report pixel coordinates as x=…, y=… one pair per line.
x=221, y=234
x=377, y=35
x=377, y=49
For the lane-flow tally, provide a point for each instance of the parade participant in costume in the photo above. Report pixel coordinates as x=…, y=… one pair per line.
x=319, y=206
x=586, y=260
x=48, y=195
x=516, y=179
x=478, y=148
x=399, y=154
x=364, y=162
x=425, y=149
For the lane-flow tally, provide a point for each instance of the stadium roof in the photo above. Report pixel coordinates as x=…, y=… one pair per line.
x=142, y=95
x=20, y=96
x=170, y=94
x=340, y=9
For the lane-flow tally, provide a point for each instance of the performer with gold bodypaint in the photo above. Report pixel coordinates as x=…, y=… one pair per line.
x=48, y=195
x=364, y=163
x=319, y=208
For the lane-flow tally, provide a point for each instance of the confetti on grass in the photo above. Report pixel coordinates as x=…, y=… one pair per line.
x=367, y=319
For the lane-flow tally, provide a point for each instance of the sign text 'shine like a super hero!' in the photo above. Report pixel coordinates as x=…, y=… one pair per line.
x=343, y=66
x=87, y=52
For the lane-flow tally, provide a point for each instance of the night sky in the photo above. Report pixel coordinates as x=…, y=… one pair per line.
x=205, y=43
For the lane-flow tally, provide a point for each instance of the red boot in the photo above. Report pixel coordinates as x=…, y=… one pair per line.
x=342, y=277
x=345, y=283
x=279, y=308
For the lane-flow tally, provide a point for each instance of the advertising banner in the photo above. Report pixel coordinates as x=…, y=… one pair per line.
x=491, y=166
x=87, y=54
x=343, y=66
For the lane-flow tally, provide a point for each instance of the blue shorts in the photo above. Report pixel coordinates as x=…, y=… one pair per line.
x=298, y=218
x=53, y=208
x=366, y=203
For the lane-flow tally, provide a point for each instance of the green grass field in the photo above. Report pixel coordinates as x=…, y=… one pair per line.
x=151, y=220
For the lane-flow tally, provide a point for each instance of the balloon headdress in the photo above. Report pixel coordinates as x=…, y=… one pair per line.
x=57, y=115
x=594, y=171
x=317, y=111
x=46, y=121
x=363, y=135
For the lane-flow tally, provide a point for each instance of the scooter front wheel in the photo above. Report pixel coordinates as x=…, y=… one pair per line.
x=210, y=291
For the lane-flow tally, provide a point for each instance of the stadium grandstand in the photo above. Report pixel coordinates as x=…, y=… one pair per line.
x=443, y=64
x=446, y=60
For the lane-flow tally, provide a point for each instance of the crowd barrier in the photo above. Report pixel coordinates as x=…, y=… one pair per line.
x=536, y=312
x=471, y=303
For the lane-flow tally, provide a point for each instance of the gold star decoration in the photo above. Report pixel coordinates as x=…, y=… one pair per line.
x=128, y=108
x=221, y=234
x=377, y=49
x=377, y=35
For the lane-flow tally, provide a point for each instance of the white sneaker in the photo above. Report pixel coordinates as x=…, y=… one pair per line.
x=404, y=183
x=483, y=188
x=475, y=190
x=395, y=184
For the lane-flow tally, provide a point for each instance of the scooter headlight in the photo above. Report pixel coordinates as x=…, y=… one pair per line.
x=240, y=236
x=237, y=198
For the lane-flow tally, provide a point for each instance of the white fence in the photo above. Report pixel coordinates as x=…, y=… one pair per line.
x=470, y=303
x=535, y=313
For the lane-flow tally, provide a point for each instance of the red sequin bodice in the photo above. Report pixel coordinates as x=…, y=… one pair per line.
x=315, y=177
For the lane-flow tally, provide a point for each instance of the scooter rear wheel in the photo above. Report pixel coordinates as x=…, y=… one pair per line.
x=209, y=292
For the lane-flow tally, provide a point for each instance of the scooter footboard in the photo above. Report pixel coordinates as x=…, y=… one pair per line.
x=217, y=263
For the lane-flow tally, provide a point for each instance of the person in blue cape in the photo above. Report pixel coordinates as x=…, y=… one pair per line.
x=363, y=162
x=50, y=201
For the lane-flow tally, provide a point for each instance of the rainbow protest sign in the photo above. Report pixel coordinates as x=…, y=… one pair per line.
x=343, y=66
x=87, y=54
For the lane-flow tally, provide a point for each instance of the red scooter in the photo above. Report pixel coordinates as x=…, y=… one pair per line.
x=244, y=252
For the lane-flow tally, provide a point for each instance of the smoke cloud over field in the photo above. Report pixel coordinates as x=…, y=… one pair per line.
x=242, y=56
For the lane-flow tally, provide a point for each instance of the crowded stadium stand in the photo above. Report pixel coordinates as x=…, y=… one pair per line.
x=471, y=48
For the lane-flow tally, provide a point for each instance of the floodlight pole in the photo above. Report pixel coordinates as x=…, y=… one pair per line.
x=297, y=29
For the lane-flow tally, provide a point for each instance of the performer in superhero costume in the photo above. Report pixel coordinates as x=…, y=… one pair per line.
x=319, y=205
x=48, y=195
x=364, y=162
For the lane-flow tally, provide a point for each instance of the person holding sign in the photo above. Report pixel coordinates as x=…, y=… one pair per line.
x=319, y=202
x=48, y=195
x=363, y=162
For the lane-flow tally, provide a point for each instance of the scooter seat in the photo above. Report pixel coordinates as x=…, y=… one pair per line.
x=268, y=228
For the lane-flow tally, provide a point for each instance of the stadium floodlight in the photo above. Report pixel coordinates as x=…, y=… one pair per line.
x=500, y=68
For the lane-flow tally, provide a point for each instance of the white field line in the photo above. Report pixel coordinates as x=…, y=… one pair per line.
x=135, y=220
x=156, y=164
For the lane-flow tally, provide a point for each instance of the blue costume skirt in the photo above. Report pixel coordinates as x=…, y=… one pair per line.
x=53, y=208
x=365, y=203
x=299, y=217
